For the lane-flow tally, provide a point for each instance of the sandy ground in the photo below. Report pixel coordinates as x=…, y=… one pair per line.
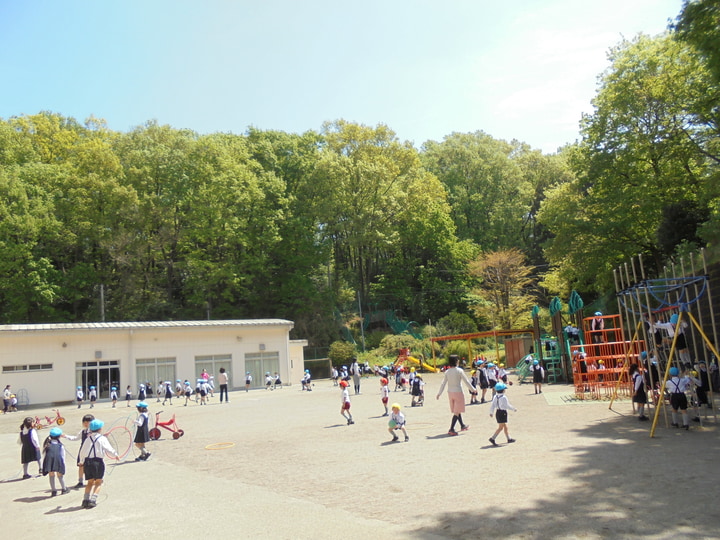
x=293, y=469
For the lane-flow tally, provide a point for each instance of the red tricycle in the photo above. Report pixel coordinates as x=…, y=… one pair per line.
x=49, y=420
x=170, y=425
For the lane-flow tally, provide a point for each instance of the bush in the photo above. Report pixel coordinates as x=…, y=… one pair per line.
x=341, y=352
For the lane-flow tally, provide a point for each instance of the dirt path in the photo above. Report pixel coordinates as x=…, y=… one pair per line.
x=295, y=470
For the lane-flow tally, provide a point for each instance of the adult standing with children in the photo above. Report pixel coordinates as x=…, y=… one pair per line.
x=355, y=371
x=223, y=380
x=454, y=379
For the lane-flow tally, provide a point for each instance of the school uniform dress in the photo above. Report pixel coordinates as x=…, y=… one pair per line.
x=30, y=450
x=640, y=396
x=538, y=374
x=142, y=435
x=54, y=458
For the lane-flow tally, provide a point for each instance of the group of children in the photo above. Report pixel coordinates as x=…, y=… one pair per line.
x=94, y=448
x=499, y=402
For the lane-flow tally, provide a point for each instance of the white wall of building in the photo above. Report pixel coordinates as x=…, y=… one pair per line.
x=239, y=344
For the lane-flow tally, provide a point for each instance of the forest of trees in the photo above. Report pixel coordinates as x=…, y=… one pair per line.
x=163, y=223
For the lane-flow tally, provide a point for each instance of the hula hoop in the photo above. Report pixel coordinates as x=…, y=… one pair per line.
x=220, y=446
x=122, y=452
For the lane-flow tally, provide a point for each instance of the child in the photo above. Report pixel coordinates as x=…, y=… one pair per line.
x=30, y=450
x=268, y=381
x=128, y=395
x=482, y=379
x=141, y=392
x=92, y=454
x=676, y=387
x=307, y=381
x=248, y=381
x=178, y=388
x=277, y=383
x=384, y=394
x=204, y=391
x=92, y=394
x=538, y=376
x=397, y=421
x=500, y=405
x=168, y=392
x=418, y=392
x=399, y=379
x=345, y=402
x=188, y=391
x=502, y=373
x=142, y=435
x=54, y=462
x=334, y=375
x=474, y=381
x=79, y=396
x=84, y=432
x=639, y=395
x=160, y=391
x=113, y=395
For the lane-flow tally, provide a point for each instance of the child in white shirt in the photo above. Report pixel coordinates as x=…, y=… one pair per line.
x=397, y=421
x=500, y=406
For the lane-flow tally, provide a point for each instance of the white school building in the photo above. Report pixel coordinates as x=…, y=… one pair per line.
x=45, y=363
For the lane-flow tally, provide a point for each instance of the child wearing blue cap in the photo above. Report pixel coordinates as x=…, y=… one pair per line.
x=92, y=454
x=500, y=405
x=538, y=374
x=142, y=435
x=54, y=461
x=92, y=394
x=113, y=395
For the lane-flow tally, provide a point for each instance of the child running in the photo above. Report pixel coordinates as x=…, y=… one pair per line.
x=397, y=421
x=113, y=395
x=79, y=396
x=54, y=462
x=500, y=406
x=92, y=454
x=92, y=394
x=345, y=402
x=384, y=394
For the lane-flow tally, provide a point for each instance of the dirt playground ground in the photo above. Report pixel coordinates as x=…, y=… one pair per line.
x=293, y=469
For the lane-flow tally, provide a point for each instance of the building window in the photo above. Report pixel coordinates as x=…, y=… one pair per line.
x=103, y=375
x=27, y=367
x=212, y=364
x=154, y=370
x=260, y=363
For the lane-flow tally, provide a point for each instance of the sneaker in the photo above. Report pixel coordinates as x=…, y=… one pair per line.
x=674, y=425
x=53, y=493
x=91, y=504
x=85, y=503
x=696, y=419
x=465, y=427
x=146, y=456
x=350, y=422
x=394, y=439
x=482, y=401
x=79, y=485
x=407, y=439
x=492, y=441
x=385, y=414
x=643, y=418
x=452, y=432
x=511, y=440
x=65, y=491
x=26, y=476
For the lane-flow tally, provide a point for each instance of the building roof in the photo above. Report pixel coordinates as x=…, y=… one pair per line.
x=143, y=324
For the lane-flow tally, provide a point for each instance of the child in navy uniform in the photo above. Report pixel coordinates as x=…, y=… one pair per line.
x=142, y=435
x=128, y=395
x=54, y=462
x=538, y=376
x=113, y=396
x=84, y=432
x=79, y=396
x=639, y=395
x=500, y=405
x=30, y=450
x=92, y=454
x=92, y=394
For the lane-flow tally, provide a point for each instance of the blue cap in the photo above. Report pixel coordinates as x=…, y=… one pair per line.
x=598, y=314
x=141, y=404
x=113, y=388
x=674, y=372
x=674, y=318
x=55, y=432
x=643, y=355
x=536, y=362
x=96, y=425
x=499, y=387
x=92, y=388
x=79, y=387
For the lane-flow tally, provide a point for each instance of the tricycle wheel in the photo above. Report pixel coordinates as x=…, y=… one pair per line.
x=176, y=435
x=154, y=434
x=60, y=421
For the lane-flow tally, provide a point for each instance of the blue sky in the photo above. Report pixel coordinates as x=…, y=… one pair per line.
x=525, y=69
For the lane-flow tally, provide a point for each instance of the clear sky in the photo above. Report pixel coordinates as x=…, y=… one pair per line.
x=522, y=69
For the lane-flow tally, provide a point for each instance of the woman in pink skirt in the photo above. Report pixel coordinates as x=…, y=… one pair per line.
x=454, y=378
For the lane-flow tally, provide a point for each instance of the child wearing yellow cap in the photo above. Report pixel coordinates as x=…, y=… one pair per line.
x=397, y=421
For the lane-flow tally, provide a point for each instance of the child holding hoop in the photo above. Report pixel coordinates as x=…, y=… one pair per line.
x=92, y=454
x=142, y=434
x=82, y=435
x=54, y=462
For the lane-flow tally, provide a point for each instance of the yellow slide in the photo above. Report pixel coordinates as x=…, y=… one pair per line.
x=423, y=364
